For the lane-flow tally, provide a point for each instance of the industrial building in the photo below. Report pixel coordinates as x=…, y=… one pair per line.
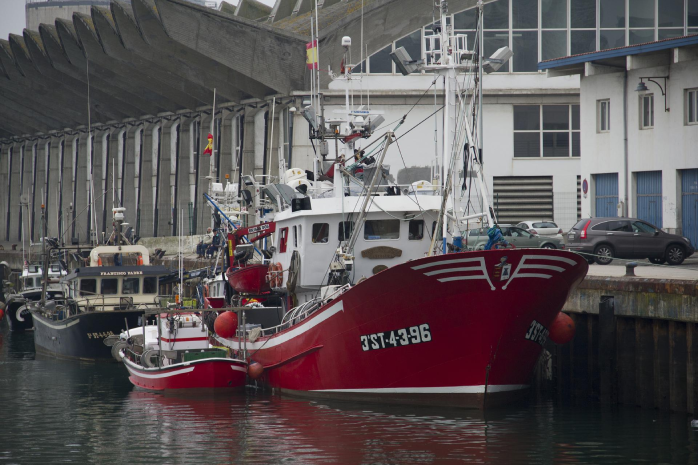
x=639, y=117
x=153, y=66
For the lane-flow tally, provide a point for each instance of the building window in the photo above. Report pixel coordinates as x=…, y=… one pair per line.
x=692, y=106
x=546, y=130
x=647, y=111
x=603, y=115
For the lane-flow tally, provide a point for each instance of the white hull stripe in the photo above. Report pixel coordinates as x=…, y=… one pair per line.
x=302, y=328
x=453, y=270
x=67, y=325
x=237, y=368
x=159, y=375
x=548, y=257
x=447, y=262
x=433, y=390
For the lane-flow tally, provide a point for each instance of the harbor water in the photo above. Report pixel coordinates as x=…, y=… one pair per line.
x=59, y=411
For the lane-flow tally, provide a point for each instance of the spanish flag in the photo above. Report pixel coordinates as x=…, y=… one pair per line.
x=209, y=148
x=311, y=53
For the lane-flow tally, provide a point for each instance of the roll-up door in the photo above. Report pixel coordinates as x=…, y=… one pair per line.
x=649, y=197
x=689, y=205
x=606, y=196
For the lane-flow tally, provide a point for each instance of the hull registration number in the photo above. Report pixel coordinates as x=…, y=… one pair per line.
x=396, y=338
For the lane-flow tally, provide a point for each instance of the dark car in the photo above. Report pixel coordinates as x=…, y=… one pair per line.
x=609, y=238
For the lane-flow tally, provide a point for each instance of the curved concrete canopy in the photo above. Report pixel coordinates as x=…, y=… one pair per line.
x=274, y=57
x=148, y=100
x=227, y=81
x=173, y=100
x=190, y=94
x=59, y=60
x=35, y=94
x=58, y=91
x=109, y=105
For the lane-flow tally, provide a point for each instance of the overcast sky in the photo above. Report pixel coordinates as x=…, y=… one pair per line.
x=12, y=17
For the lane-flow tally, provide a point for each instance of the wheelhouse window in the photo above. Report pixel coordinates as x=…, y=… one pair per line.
x=88, y=287
x=150, y=285
x=375, y=230
x=321, y=233
x=109, y=286
x=603, y=118
x=647, y=111
x=131, y=286
x=692, y=105
x=416, y=230
x=345, y=230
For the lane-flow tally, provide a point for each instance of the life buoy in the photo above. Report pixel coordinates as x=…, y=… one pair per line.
x=139, y=260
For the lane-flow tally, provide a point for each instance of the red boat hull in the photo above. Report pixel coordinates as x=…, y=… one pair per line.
x=200, y=374
x=461, y=329
x=249, y=279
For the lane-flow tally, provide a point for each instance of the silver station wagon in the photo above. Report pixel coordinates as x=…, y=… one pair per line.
x=477, y=238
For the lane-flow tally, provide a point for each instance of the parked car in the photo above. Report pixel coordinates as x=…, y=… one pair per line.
x=542, y=228
x=610, y=238
x=477, y=238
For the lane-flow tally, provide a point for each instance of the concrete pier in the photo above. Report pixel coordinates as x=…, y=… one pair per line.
x=635, y=342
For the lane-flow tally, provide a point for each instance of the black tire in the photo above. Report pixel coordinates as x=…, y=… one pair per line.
x=548, y=246
x=605, y=253
x=657, y=261
x=675, y=254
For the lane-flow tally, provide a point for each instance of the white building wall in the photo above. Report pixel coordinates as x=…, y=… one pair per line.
x=669, y=147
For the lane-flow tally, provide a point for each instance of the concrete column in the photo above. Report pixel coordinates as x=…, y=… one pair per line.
x=129, y=182
x=146, y=180
x=63, y=170
x=175, y=139
x=260, y=136
x=139, y=146
x=226, y=154
x=206, y=163
x=661, y=364
x=75, y=173
x=155, y=158
x=51, y=186
x=104, y=188
x=677, y=369
x=4, y=181
x=11, y=188
x=89, y=224
x=644, y=365
x=23, y=232
x=193, y=160
x=34, y=216
x=168, y=143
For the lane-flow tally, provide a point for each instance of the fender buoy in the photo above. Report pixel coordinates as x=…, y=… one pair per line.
x=255, y=370
x=2, y=314
x=562, y=330
x=226, y=325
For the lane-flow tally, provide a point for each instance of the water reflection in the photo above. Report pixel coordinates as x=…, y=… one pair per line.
x=56, y=411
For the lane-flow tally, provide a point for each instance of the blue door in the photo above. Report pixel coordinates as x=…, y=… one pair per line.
x=689, y=205
x=606, y=194
x=649, y=197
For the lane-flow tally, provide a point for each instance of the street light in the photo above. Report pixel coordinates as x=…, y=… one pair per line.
x=642, y=87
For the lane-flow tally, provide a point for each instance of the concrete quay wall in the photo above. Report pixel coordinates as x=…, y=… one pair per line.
x=636, y=343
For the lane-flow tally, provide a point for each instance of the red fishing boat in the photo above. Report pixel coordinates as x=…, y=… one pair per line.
x=249, y=279
x=465, y=330
x=181, y=357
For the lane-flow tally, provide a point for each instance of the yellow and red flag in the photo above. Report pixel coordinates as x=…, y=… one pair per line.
x=311, y=55
x=209, y=148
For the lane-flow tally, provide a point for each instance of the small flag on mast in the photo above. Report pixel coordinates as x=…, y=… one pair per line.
x=209, y=148
x=311, y=53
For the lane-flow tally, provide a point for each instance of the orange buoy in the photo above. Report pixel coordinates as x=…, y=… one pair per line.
x=139, y=260
x=255, y=370
x=562, y=330
x=226, y=324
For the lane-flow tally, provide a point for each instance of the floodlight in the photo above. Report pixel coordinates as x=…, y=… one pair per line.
x=376, y=122
x=404, y=61
x=248, y=180
x=310, y=117
x=498, y=59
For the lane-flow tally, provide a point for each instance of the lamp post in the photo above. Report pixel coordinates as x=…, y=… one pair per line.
x=642, y=87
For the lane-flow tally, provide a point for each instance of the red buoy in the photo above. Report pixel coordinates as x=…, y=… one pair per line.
x=226, y=324
x=2, y=313
x=255, y=370
x=562, y=329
